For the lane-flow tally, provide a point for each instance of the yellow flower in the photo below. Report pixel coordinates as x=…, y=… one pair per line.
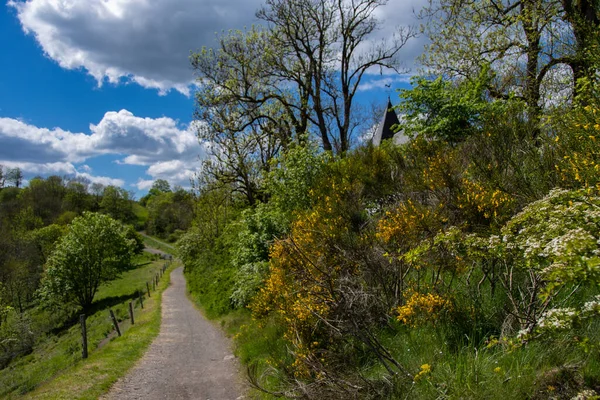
x=425, y=370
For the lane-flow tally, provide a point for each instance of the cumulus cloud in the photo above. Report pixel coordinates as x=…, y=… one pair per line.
x=147, y=42
x=61, y=168
x=384, y=82
x=144, y=184
x=53, y=168
x=103, y=180
x=151, y=142
x=142, y=141
x=176, y=172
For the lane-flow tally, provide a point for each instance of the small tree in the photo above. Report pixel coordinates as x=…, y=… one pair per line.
x=2, y=176
x=15, y=175
x=95, y=250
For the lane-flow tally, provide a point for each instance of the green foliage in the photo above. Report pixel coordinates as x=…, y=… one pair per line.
x=116, y=202
x=47, y=237
x=462, y=264
x=135, y=238
x=259, y=227
x=169, y=212
x=442, y=109
x=206, y=251
x=95, y=250
x=293, y=175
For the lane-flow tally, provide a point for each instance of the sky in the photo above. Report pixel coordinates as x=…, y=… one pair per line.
x=103, y=89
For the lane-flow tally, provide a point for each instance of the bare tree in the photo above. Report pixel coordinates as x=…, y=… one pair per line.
x=266, y=88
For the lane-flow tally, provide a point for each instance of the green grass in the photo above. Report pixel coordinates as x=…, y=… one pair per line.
x=55, y=370
x=155, y=243
x=141, y=214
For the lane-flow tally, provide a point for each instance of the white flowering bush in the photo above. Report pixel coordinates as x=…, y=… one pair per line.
x=587, y=394
x=552, y=245
x=558, y=319
x=558, y=237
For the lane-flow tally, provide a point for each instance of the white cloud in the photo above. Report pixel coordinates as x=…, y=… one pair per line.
x=147, y=42
x=143, y=184
x=391, y=82
x=168, y=150
x=142, y=141
x=55, y=168
x=174, y=170
x=104, y=180
x=61, y=168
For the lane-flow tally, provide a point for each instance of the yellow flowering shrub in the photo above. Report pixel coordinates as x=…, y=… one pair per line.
x=403, y=224
x=421, y=308
x=578, y=145
x=489, y=203
x=304, y=269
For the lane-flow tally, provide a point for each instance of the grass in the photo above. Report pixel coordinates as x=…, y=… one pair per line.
x=141, y=214
x=155, y=243
x=55, y=370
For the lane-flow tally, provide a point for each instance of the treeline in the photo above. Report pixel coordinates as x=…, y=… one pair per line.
x=462, y=264
x=33, y=220
x=169, y=212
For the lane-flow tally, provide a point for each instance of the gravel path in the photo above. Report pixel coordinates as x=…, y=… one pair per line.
x=190, y=358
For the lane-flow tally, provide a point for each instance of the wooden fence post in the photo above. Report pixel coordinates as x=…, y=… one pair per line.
x=114, y=320
x=131, y=312
x=84, y=347
x=141, y=301
x=148, y=287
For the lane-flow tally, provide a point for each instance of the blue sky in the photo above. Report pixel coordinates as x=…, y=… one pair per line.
x=103, y=88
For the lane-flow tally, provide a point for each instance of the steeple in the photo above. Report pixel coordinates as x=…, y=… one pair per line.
x=384, y=129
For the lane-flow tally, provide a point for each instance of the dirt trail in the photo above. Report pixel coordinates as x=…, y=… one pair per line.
x=190, y=358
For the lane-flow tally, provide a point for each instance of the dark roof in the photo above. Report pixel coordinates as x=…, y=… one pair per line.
x=384, y=129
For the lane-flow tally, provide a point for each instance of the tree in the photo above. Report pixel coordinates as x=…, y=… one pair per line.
x=2, y=176
x=94, y=251
x=443, y=109
x=15, y=175
x=326, y=52
x=46, y=196
x=161, y=185
x=116, y=202
x=265, y=88
x=525, y=42
x=169, y=212
x=158, y=187
x=584, y=19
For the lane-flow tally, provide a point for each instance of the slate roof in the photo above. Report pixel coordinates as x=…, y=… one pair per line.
x=384, y=129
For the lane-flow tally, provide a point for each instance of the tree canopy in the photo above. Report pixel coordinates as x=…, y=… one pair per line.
x=95, y=250
x=265, y=88
x=536, y=48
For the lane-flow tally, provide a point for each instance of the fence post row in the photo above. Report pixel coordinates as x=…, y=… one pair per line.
x=140, y=297
x=82, y=318
x=131, y=312
x=115, y=323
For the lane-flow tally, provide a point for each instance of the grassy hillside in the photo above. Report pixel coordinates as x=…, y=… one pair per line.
x=54, y=369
